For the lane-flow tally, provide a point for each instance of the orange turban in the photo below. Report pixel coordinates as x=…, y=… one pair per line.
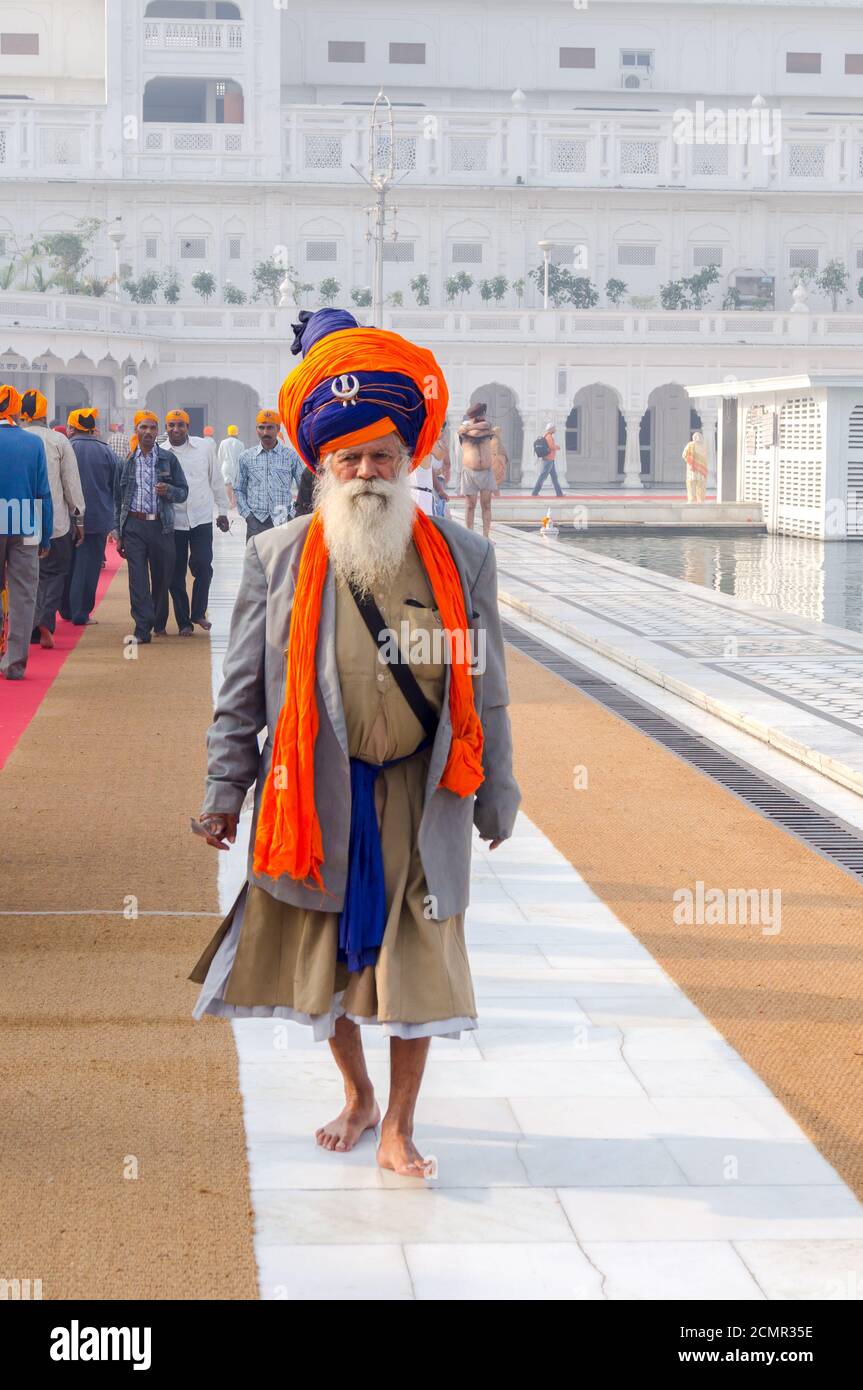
x=133, y=444
x=176, y=417
x=83, y=420
x=10, y=402
x=145, y=415
x=33, y=405
x=268, y=417
x=209, y=432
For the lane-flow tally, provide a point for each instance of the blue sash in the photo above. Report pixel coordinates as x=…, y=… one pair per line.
x=363, y=918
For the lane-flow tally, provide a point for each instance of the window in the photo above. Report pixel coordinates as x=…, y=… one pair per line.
x=567, y=156
x=19, y=45
x=235, y=248
x=151, y=248
x=803, y=258
x=859, y=257
x=639, y=157
x=322, y=251
x=640, y=59
x=806, y=160
x=193, y=248
x=407, y=52
x=466, y=253
x=561, y=381
x=636, y=255
x=400, y=251
x=322, y=151
x=346, y=51
x=802, y=62
x=703, y=256
x=854, y=62
x=578, y=57
x=4, y=240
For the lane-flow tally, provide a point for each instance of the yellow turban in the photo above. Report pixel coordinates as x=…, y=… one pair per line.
x=83, y=420
x=10, y=402
x=33, y=405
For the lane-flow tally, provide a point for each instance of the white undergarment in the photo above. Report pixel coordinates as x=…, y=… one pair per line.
x=211, y=1001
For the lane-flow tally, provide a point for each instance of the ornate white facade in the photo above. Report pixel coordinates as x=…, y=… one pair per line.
x=215, y=135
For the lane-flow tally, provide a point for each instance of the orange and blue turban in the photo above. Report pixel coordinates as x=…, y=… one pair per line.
x=355, y=384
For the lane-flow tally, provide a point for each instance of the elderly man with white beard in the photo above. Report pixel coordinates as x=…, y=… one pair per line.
x=366, y=640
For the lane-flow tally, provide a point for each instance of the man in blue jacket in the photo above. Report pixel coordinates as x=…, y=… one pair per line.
x=26, y=524
x=97, y=465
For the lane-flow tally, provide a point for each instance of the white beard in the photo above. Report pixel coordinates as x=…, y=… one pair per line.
x=367, y=526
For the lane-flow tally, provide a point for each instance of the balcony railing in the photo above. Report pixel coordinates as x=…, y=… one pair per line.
x=567, y=150
x=77, y=314
x=193, y=138
x=170, y=35
x=550, y=149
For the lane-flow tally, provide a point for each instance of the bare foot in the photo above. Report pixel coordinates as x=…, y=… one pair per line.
x=398, y=1152
x=343, y=1132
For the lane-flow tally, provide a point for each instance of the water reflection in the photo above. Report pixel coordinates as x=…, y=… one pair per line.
x=810, y=578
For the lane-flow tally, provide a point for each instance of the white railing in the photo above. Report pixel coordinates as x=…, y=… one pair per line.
x=39, y=139
x=219, y=36
x=572, y=150
x=199, y=319
x=191, y=138
x=552, y=149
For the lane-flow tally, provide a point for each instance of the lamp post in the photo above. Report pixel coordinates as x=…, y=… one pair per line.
x=545, y=248
x=117, y=236
x=379, y=178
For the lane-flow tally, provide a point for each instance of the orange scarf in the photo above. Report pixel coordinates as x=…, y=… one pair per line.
x=288, y=838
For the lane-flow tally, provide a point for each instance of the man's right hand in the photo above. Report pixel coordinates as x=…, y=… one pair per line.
x=220, y=828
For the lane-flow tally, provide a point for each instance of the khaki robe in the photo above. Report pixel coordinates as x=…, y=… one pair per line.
x=270, y=958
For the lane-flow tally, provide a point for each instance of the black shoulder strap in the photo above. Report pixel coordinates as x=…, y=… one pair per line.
x=402, y=673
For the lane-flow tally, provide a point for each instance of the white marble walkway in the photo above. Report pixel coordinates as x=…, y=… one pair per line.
x=794, y=683
x=596, y=1138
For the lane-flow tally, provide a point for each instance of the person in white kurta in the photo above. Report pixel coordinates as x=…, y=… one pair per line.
x=193, y=526
x=229, y=457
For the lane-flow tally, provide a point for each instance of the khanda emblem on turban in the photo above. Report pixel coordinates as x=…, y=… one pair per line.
x=346, y=389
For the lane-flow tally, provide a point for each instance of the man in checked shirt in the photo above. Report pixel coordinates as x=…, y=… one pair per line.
x=268, y=477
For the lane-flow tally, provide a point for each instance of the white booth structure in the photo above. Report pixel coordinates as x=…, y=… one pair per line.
x=795, y=445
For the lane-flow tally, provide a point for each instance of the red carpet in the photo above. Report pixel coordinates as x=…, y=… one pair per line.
x=19, y=700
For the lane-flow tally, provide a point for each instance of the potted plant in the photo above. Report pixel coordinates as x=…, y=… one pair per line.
x=204, y=284
x=420, y=288
x=329, y=290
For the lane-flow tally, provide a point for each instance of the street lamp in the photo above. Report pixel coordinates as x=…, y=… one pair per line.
x=545, y=248
x=381, y=174
x=117, y=236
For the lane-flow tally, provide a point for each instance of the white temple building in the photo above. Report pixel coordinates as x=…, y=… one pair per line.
x=642, y=143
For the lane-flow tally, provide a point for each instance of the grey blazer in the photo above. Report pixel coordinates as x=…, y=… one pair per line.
x=253, y=691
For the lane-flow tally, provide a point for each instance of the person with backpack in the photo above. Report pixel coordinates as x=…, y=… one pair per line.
x=545, y=448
